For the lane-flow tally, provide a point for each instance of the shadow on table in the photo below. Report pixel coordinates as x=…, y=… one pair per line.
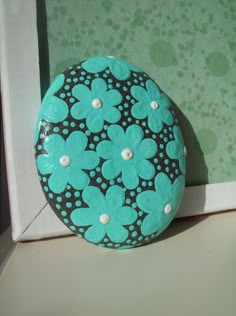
x=178, y=226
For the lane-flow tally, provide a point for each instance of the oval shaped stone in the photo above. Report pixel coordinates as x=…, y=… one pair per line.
x=110, y=153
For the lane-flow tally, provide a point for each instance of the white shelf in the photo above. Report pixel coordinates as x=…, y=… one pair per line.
x=190, y=271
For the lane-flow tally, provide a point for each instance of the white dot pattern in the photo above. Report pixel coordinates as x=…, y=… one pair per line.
x=65, y=161
x=168, y=208
x=127, y=154
x=154, y=105
x=97, y=103
x=104, y=219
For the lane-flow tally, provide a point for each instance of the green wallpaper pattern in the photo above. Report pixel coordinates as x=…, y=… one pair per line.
x=187, y=47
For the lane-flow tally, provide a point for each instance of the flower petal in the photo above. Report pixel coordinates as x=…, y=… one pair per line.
x=95, y=233
x=115, y=197
x=82, y=93
x=88, y=160
x=154, y=122
x=173, y=149
x=178, y=135
x=111, y=169
x=153, y=90
x=134, y=136
x=111, y=115
x=95, y=64
x=84, y=216
x=164, y=100
x=94, y=122
x=140, y=94
x=46, y=164
x=163, y=186
x=182, y=164
x=167, y=116
x=147, y=148
x=77, y=178
x=148, y=201
x=117, y=135
x=130, y=177
x=140, y=110
x=145, y=169
x=54, y=109
x=76, y=143
x=80, y=110
x=55, y=145
x=151, y=224
x=126, y=215
x=178, y=189
x=116, y=232
x=107, y=150
x=58, y=180
x=112, y=97
x=99, y=88
x=94, y=198
x=119, y=69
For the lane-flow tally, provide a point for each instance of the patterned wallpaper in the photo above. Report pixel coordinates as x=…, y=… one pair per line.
x=187, y=47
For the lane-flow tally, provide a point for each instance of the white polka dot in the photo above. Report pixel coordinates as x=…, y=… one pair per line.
x=104, y=218
x=185, y=150
x=65, y=161
x=127, y=154
x=97, y=103
x=168, y=208
x=154, y=105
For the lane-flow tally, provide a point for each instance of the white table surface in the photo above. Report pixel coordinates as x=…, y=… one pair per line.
x=190, y=271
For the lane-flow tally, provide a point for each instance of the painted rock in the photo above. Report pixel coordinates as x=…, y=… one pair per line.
x=110, y=153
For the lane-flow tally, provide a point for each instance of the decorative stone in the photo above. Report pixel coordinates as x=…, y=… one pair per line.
x=111, y=156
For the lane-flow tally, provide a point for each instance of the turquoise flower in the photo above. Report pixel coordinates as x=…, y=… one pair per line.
x=127, y=153
x=175, y=149
x=96, y=105
x=53, y=109
x=105, y=214
x=161, y=205
x=118, y=67
x=151, y=103
x=65, y=160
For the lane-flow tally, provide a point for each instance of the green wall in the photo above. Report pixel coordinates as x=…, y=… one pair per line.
x=189, y=49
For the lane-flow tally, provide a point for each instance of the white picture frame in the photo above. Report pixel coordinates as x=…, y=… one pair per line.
x=31, y=216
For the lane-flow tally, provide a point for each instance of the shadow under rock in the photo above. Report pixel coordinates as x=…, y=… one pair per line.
x=196, y=168
x=178, y=226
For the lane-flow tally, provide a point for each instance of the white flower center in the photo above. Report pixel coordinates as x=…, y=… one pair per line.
x=97, y=103
x=154, y=105
x=65, y=161
x=185, y=150
x=168, y=208
x=104, y=219
x=127, y=154
x=111, y=56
